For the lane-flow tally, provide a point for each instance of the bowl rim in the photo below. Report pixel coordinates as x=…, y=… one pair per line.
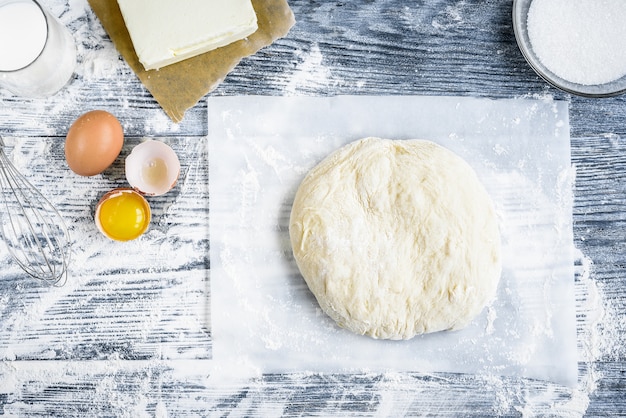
x=519, y=16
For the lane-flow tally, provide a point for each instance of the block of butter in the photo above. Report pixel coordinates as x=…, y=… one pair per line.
x=164, y=32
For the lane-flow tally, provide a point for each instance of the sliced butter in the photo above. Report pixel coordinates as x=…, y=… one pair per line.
x=168, y=31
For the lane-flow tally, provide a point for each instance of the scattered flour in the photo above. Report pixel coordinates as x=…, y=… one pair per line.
x=310, y=73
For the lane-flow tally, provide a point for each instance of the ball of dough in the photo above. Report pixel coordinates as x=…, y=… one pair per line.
x=396, y=238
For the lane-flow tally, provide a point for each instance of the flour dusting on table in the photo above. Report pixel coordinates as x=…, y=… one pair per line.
x=142, y=299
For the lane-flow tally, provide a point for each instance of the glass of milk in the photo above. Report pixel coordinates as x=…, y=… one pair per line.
x=37, y=52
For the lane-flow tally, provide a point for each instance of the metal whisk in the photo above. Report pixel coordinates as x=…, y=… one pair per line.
x=33, y=230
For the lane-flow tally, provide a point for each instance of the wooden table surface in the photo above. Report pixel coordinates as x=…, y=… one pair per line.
x=129, y=334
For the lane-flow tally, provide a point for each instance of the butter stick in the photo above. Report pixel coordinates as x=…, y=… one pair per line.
x=164, y=32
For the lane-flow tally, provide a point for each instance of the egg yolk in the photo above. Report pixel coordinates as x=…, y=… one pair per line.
x=124, y=216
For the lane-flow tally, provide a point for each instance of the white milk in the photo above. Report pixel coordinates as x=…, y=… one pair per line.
x=23, y=33
x=38, y=52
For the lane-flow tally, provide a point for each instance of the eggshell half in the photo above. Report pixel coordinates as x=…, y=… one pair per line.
x=93, y=142
x=152, y=168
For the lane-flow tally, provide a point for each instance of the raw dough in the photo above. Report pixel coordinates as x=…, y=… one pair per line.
x=396, y=238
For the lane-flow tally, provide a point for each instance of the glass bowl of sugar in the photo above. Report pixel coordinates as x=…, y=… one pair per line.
x=575, y=45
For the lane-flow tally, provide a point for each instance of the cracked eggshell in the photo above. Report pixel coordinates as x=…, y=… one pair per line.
x=152, y=168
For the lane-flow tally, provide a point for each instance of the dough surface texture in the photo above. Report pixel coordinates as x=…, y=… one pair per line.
x=396, y=238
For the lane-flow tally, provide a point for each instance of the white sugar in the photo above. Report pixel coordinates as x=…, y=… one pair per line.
x=581, y=41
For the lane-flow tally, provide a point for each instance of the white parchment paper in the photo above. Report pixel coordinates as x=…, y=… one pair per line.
x=264, y=319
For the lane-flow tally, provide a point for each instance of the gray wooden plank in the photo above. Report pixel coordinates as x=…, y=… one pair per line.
x=360, y=47
x=160, y=389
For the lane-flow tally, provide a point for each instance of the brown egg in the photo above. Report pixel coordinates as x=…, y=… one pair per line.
x=93, y=142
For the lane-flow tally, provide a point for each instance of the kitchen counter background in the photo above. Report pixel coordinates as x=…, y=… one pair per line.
x=386, y=47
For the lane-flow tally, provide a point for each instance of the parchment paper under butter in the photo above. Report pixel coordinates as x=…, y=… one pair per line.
x=180, y=86
x=265, y=318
